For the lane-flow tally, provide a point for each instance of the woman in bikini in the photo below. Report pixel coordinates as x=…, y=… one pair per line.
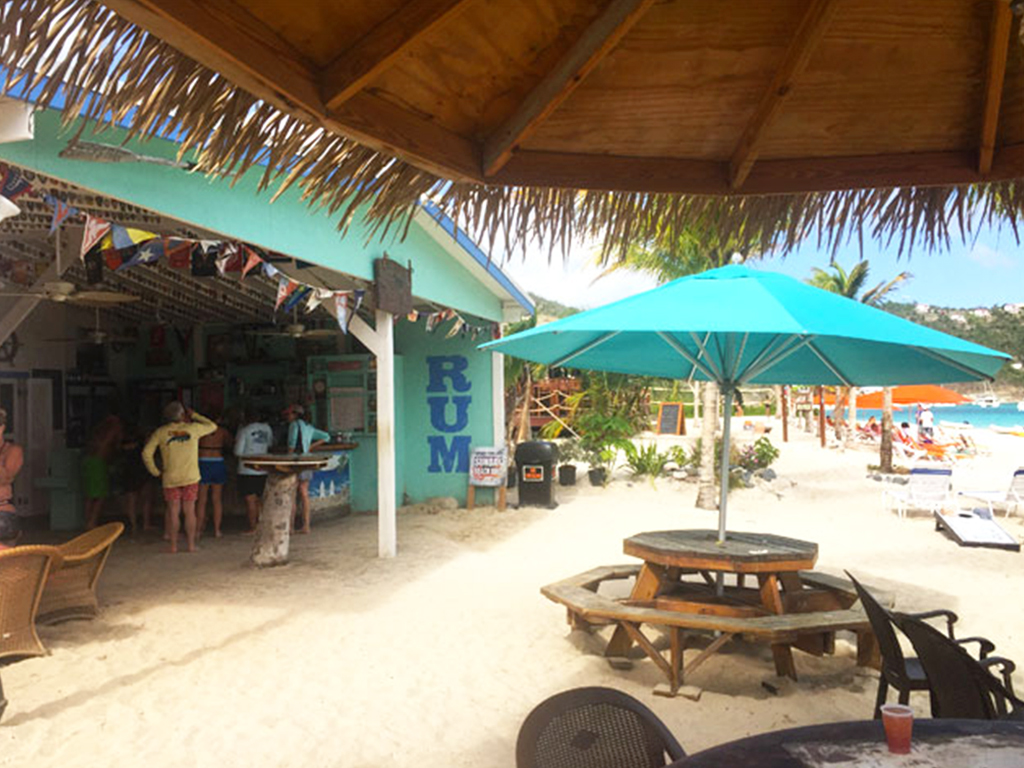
x=213, y=474
x=12, y=457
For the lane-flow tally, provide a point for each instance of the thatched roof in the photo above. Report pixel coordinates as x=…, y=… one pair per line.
x=559, y=119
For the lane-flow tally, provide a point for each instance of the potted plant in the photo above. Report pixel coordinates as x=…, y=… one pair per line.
x=601, y=436
x=568, y=452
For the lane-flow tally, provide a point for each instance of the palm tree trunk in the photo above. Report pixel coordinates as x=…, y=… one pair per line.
x=851, y=425
x=885, y=452
x=707, y=491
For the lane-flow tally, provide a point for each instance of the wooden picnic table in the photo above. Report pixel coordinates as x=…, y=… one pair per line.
x=861, y=744
x=273, y=532
x=775, y=561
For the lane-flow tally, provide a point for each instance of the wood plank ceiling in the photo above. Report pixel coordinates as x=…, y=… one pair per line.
x=693, y=96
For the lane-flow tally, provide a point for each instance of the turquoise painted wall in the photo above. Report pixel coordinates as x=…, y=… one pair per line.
x=287, y=226
x=459, y=416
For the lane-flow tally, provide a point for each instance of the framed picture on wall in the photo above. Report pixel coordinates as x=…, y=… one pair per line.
x=218, y=349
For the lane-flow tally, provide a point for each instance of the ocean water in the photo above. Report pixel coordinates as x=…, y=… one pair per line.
x=1005, y=415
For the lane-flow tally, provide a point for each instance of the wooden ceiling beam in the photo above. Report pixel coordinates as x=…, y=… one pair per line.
x=671, y=175
x=596, y=42
x=225, y=38
x=808, y=34
x=995, y=76
x=354, y=69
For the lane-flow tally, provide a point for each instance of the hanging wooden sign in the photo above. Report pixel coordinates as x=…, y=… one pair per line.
x=393, y=284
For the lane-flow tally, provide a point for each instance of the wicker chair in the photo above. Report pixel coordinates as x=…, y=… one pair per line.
x=71, y=589
x=593, y=727
x=23, y=572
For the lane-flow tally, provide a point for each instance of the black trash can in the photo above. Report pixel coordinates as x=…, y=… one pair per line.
x=535, y=468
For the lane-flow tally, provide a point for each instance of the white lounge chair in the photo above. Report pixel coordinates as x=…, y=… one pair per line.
x=1011, y=499
x=929, y=489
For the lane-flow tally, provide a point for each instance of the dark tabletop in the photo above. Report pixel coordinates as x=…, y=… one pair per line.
x=769, y=750
x=658, y=546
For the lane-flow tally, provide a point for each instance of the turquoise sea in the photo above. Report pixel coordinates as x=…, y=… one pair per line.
x=1005, y=415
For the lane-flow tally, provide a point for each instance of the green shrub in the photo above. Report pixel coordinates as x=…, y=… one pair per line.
x=645, y=460
x=758, y=456
x=680, y=456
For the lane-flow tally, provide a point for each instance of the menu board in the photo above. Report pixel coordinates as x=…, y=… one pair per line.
x=671, y=420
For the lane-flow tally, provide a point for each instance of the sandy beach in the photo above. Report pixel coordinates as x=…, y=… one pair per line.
x=435, y=657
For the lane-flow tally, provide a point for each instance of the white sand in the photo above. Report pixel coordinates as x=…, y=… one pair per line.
x=434, y=658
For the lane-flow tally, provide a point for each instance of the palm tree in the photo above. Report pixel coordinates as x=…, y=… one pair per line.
x=851, y=285
x=667, y=260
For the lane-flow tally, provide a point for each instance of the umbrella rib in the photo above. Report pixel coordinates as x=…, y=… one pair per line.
x=702, y=347
x=683, y=353
x=768, y=349
x=739, y=357
x=584, y=349
x=778, y=356
x=828, y=364
x=959, y=366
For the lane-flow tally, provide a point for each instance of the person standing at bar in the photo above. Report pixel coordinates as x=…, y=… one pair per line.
x=213, y=473
x=254, y=439
x=12, y=457
x=178, y=442
x=303, y=437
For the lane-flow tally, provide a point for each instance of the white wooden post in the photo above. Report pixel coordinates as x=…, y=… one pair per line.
x=381, y=341
x=498, y=397
x=387, y=528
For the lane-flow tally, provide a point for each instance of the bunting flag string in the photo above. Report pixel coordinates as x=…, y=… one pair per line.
x=61, y=211
x=285, y=288
x=95, y=230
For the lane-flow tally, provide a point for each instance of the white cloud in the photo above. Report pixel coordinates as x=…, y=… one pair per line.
x=989, y=258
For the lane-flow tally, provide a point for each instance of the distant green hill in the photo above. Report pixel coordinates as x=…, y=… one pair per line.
x=547, y=308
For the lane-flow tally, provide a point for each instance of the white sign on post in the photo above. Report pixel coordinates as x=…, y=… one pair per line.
x=487, y=467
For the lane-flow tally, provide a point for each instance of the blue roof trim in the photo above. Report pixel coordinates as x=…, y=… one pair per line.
x=461, y=238
x=446, y=223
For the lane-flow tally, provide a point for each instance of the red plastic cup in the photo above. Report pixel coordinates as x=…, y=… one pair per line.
x=898, y=721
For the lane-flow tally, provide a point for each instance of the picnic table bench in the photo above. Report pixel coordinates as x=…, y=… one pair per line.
x=812, y=631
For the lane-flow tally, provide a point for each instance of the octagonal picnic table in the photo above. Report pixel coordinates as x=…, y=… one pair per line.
x=775, y=561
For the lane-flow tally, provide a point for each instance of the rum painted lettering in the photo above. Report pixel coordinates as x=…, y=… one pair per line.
x=449, y=413
x=439, y=411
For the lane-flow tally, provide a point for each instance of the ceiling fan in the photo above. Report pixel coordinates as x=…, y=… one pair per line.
x=65, y=292
x=298, y=331
x=97, y=335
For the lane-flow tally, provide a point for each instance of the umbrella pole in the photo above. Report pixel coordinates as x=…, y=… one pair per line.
x=723, y=501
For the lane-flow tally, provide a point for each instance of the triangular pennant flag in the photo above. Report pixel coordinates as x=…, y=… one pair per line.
x=432, y=320
x=149, y=252
x=298, y=295
x=270, y=271
x=95, y=229
x=252, y=260
x=119, y=238
x=114, y=258
x=456, y=327
x=285, y=288
x=476, y=332
x=318, y=297
x=230, y=259
x=61, y=211
x=341, y=310
x=357, y=299
x=179, y=252
x=204, y=258
x=413, y=316
x=13, y=184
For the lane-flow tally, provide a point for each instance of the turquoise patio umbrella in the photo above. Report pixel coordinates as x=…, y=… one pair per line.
x=739, y=326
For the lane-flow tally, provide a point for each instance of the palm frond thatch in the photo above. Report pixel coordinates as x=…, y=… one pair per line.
x=113, y=71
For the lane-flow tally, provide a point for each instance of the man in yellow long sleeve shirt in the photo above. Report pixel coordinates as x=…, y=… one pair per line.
x=178, y=441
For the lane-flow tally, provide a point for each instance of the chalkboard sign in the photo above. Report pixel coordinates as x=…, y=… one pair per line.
x=671, y=419
x=394, y=287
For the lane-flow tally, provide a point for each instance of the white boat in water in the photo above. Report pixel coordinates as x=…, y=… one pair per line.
x=987, y=401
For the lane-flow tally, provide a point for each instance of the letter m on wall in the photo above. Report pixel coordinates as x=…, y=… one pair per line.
x=448, y=457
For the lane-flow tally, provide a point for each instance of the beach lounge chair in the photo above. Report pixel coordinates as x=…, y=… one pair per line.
x=961, y=686
x=902, y=673
x=594, y=727
x=928, y=489
x=70, y=591
x=1010, y=499
x=23, y=573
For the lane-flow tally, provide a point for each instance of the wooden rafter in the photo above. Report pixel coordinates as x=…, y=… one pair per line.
x=596, y=42
x=354, y=69
x=995, y=74
x=672, y=175
x=224, y=37
x=808, y=34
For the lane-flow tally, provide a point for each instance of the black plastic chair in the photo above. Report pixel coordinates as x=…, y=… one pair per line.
x=593, y=728
x=902, y=673
x=961, y=686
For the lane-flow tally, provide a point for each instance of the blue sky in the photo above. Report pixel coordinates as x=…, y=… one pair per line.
x=987, y=271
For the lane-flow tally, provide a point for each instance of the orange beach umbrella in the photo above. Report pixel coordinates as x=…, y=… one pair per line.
x=908, y=395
